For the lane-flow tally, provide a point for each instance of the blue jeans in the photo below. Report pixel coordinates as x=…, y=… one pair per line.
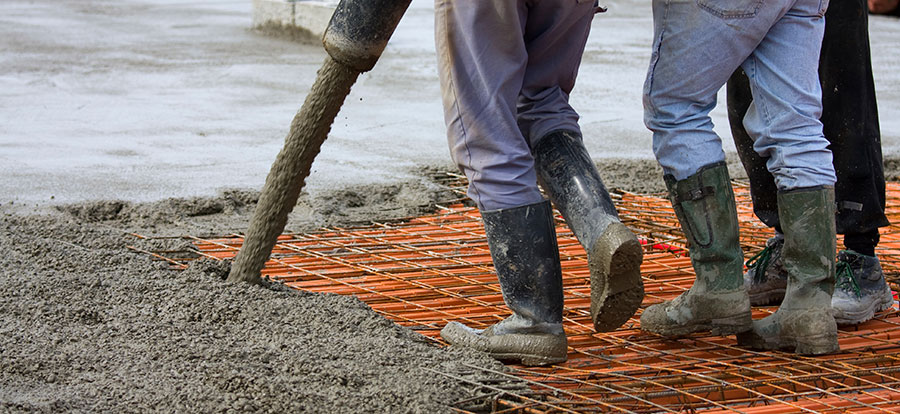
x=698, y=44
x=506, y=69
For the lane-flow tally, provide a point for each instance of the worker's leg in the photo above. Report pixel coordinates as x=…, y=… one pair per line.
x=697, y=45
x=683, y=79
x=525, y=255
x=766, y=279
x=762, y=184
x=482, y=58
x=555, y=35
x=850, y=120
x=784, y=122
x=481, y=64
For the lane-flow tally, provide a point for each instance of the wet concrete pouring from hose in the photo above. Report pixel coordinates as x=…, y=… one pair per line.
x=286, y=178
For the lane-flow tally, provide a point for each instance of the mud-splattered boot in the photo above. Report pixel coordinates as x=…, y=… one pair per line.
x=860, y=289
x=717, y=302
x=804, y=321
x=524, y=250
x=571, y=179
x=766, y=278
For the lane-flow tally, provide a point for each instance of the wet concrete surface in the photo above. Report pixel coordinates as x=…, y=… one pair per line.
x=141, y=100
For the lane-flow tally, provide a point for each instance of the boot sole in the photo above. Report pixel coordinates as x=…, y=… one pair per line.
x=859, y=316
x=819, y=337
x=616, y=286
x=769, y=297
x=815, y=345
x=527, y=349
x=527, y=359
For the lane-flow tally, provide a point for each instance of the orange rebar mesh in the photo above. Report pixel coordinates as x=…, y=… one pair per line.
x=429, y=270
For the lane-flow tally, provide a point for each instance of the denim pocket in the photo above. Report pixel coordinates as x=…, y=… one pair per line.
x=732, y=9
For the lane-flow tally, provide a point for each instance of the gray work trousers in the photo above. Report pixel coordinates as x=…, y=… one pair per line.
x=506, y=69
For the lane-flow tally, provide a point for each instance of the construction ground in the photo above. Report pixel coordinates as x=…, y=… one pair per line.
x=136, y=135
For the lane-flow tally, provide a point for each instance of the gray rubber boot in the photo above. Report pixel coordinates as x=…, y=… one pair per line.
x=804, y=320
x=717, y=302
x=524, y=250
x=571, y=180
x=860, y=289
x=766, y=279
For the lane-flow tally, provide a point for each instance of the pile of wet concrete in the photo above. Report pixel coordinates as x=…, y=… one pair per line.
x=88, y=325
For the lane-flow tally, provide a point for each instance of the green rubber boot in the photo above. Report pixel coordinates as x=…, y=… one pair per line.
x=717, y=302
x=526, y=257
x=804, y=320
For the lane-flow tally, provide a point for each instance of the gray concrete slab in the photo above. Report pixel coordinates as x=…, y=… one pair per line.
x=147, y=99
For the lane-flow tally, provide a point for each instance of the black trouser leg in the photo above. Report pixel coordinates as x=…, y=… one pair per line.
x=862, y=243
